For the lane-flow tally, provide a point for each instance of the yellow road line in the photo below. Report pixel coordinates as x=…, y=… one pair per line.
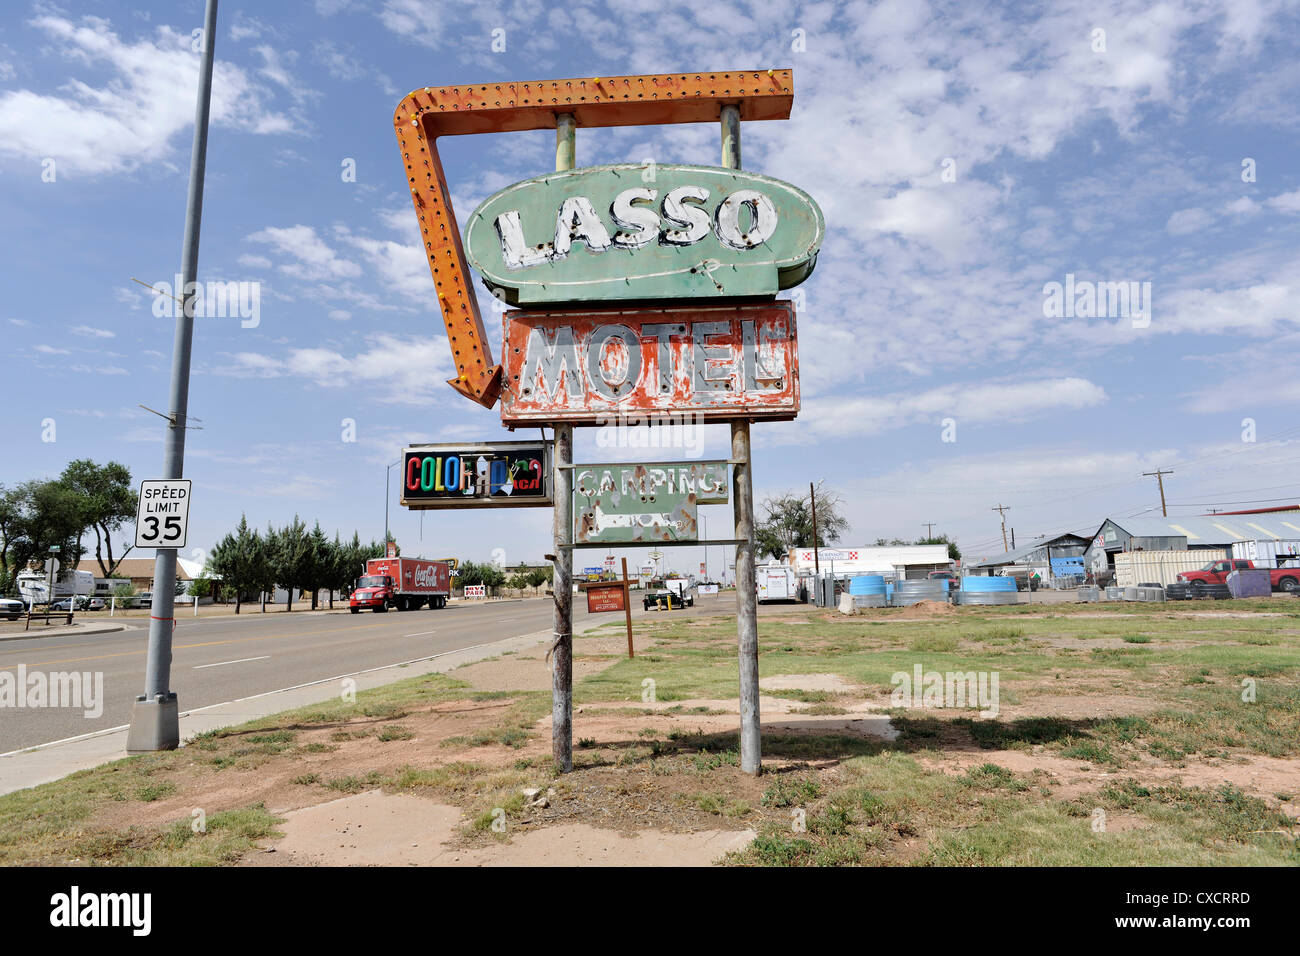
x=177, y=647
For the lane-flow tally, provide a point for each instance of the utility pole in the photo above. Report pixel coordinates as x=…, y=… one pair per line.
x=155, y=715
x=929, y=529
x=742, y=482
x=1002, y=510
x=817, y=565
x=562, y=532
x=1159, y=476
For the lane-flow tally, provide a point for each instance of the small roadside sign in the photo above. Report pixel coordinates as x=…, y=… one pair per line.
x=163, y=518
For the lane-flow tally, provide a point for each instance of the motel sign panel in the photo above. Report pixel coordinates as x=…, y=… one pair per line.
x=710, y=362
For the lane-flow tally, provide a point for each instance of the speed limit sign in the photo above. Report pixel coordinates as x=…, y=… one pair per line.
x=163, y=518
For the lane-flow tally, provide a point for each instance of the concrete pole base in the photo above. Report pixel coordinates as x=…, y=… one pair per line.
x=155, y=725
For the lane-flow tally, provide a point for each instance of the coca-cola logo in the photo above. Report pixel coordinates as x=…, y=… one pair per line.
x=426, y=577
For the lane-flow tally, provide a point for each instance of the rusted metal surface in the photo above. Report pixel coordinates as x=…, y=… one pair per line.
x=606, y=597
x=656, y=517
x=707, y=480
x=644, y=502
x=711, y=362
x=425, y=114
x=640, y=232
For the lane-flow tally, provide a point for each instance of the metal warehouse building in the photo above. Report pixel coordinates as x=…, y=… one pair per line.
x=1058, y=559
x=1213, y=534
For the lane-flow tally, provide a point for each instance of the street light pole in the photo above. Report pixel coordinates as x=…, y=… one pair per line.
x=155, y=715
x=388, y=494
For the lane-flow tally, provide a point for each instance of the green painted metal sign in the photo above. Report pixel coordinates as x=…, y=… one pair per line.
x=644, y=502
x=644, y=232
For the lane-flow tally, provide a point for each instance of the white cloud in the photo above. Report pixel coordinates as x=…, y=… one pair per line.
x=402, y=370
x=969, y=404
x=1187, y=221
x=92, y=332
x=314, y=259
x=1286, y=202
x=133, y=117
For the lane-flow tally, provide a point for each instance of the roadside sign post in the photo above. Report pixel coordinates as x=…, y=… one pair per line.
x=155, y=716
x=743, y=506
x=633, y=301
x=562, y=533
x=627, y=608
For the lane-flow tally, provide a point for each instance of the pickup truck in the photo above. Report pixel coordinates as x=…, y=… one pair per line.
x=1216, y=572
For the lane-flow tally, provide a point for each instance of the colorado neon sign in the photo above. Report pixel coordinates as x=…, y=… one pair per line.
x=492, y=474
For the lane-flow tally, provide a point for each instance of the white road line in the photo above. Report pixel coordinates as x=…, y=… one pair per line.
x=420, y=634
x=242, y=660
x=240, y=700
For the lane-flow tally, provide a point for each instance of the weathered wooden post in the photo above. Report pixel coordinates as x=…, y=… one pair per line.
x=751, y=745
x=562, y=578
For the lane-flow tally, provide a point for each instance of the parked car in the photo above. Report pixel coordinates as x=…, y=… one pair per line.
x=96, y=604
x=954, y=582
x=11, y=609
x=1216, y=572
x=66, y=604
x=144, y=599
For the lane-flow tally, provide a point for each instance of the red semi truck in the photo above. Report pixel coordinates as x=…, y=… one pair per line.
x=1286, y=578
x=403, y=583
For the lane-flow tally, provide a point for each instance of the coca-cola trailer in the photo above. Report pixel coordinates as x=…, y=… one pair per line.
x=402, y=583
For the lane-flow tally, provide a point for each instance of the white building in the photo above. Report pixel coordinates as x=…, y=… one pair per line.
x=895, y=561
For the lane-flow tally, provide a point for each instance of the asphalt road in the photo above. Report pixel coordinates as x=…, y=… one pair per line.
x=227, y=658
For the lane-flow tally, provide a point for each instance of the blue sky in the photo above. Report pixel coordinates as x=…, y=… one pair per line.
x=965, y=155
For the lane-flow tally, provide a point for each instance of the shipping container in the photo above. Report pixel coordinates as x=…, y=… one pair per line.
x=1161, y=567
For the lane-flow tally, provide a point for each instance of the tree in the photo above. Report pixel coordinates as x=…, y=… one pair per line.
x=954, y=553
x=318, y=564
x=890, y=542
x=239, y=560
x=787, y=523
x=108, y=499
x=538, y=576
x=291, y=557
x=39, y=516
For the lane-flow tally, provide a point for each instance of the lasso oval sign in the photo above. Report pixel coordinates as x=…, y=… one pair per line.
x=644, y=232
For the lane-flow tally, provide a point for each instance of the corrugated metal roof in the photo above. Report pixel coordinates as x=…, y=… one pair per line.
x=1213, y=530
x=1016, y=555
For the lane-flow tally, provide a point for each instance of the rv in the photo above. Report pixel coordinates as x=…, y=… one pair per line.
x=34, y=585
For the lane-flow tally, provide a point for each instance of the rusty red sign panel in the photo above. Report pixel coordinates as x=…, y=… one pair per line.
x=714, y=362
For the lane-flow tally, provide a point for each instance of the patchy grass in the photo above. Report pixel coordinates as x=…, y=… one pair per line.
x=1214, y=688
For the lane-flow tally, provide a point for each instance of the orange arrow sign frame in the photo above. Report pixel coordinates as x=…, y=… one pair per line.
x=428, y=113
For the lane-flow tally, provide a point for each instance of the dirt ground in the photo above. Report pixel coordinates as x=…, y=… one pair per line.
x=656, y=781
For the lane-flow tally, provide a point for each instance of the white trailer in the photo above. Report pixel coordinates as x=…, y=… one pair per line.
x=1266, y=553
x=34, y=586
x=777, y=582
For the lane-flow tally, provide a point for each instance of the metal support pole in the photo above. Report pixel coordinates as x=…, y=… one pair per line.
x=751, y=749
x=562, y=529
x=155, y=720
x=746, y=601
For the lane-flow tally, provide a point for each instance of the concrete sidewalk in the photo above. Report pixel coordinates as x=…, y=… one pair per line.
x=67, y=630
x=28, y=768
